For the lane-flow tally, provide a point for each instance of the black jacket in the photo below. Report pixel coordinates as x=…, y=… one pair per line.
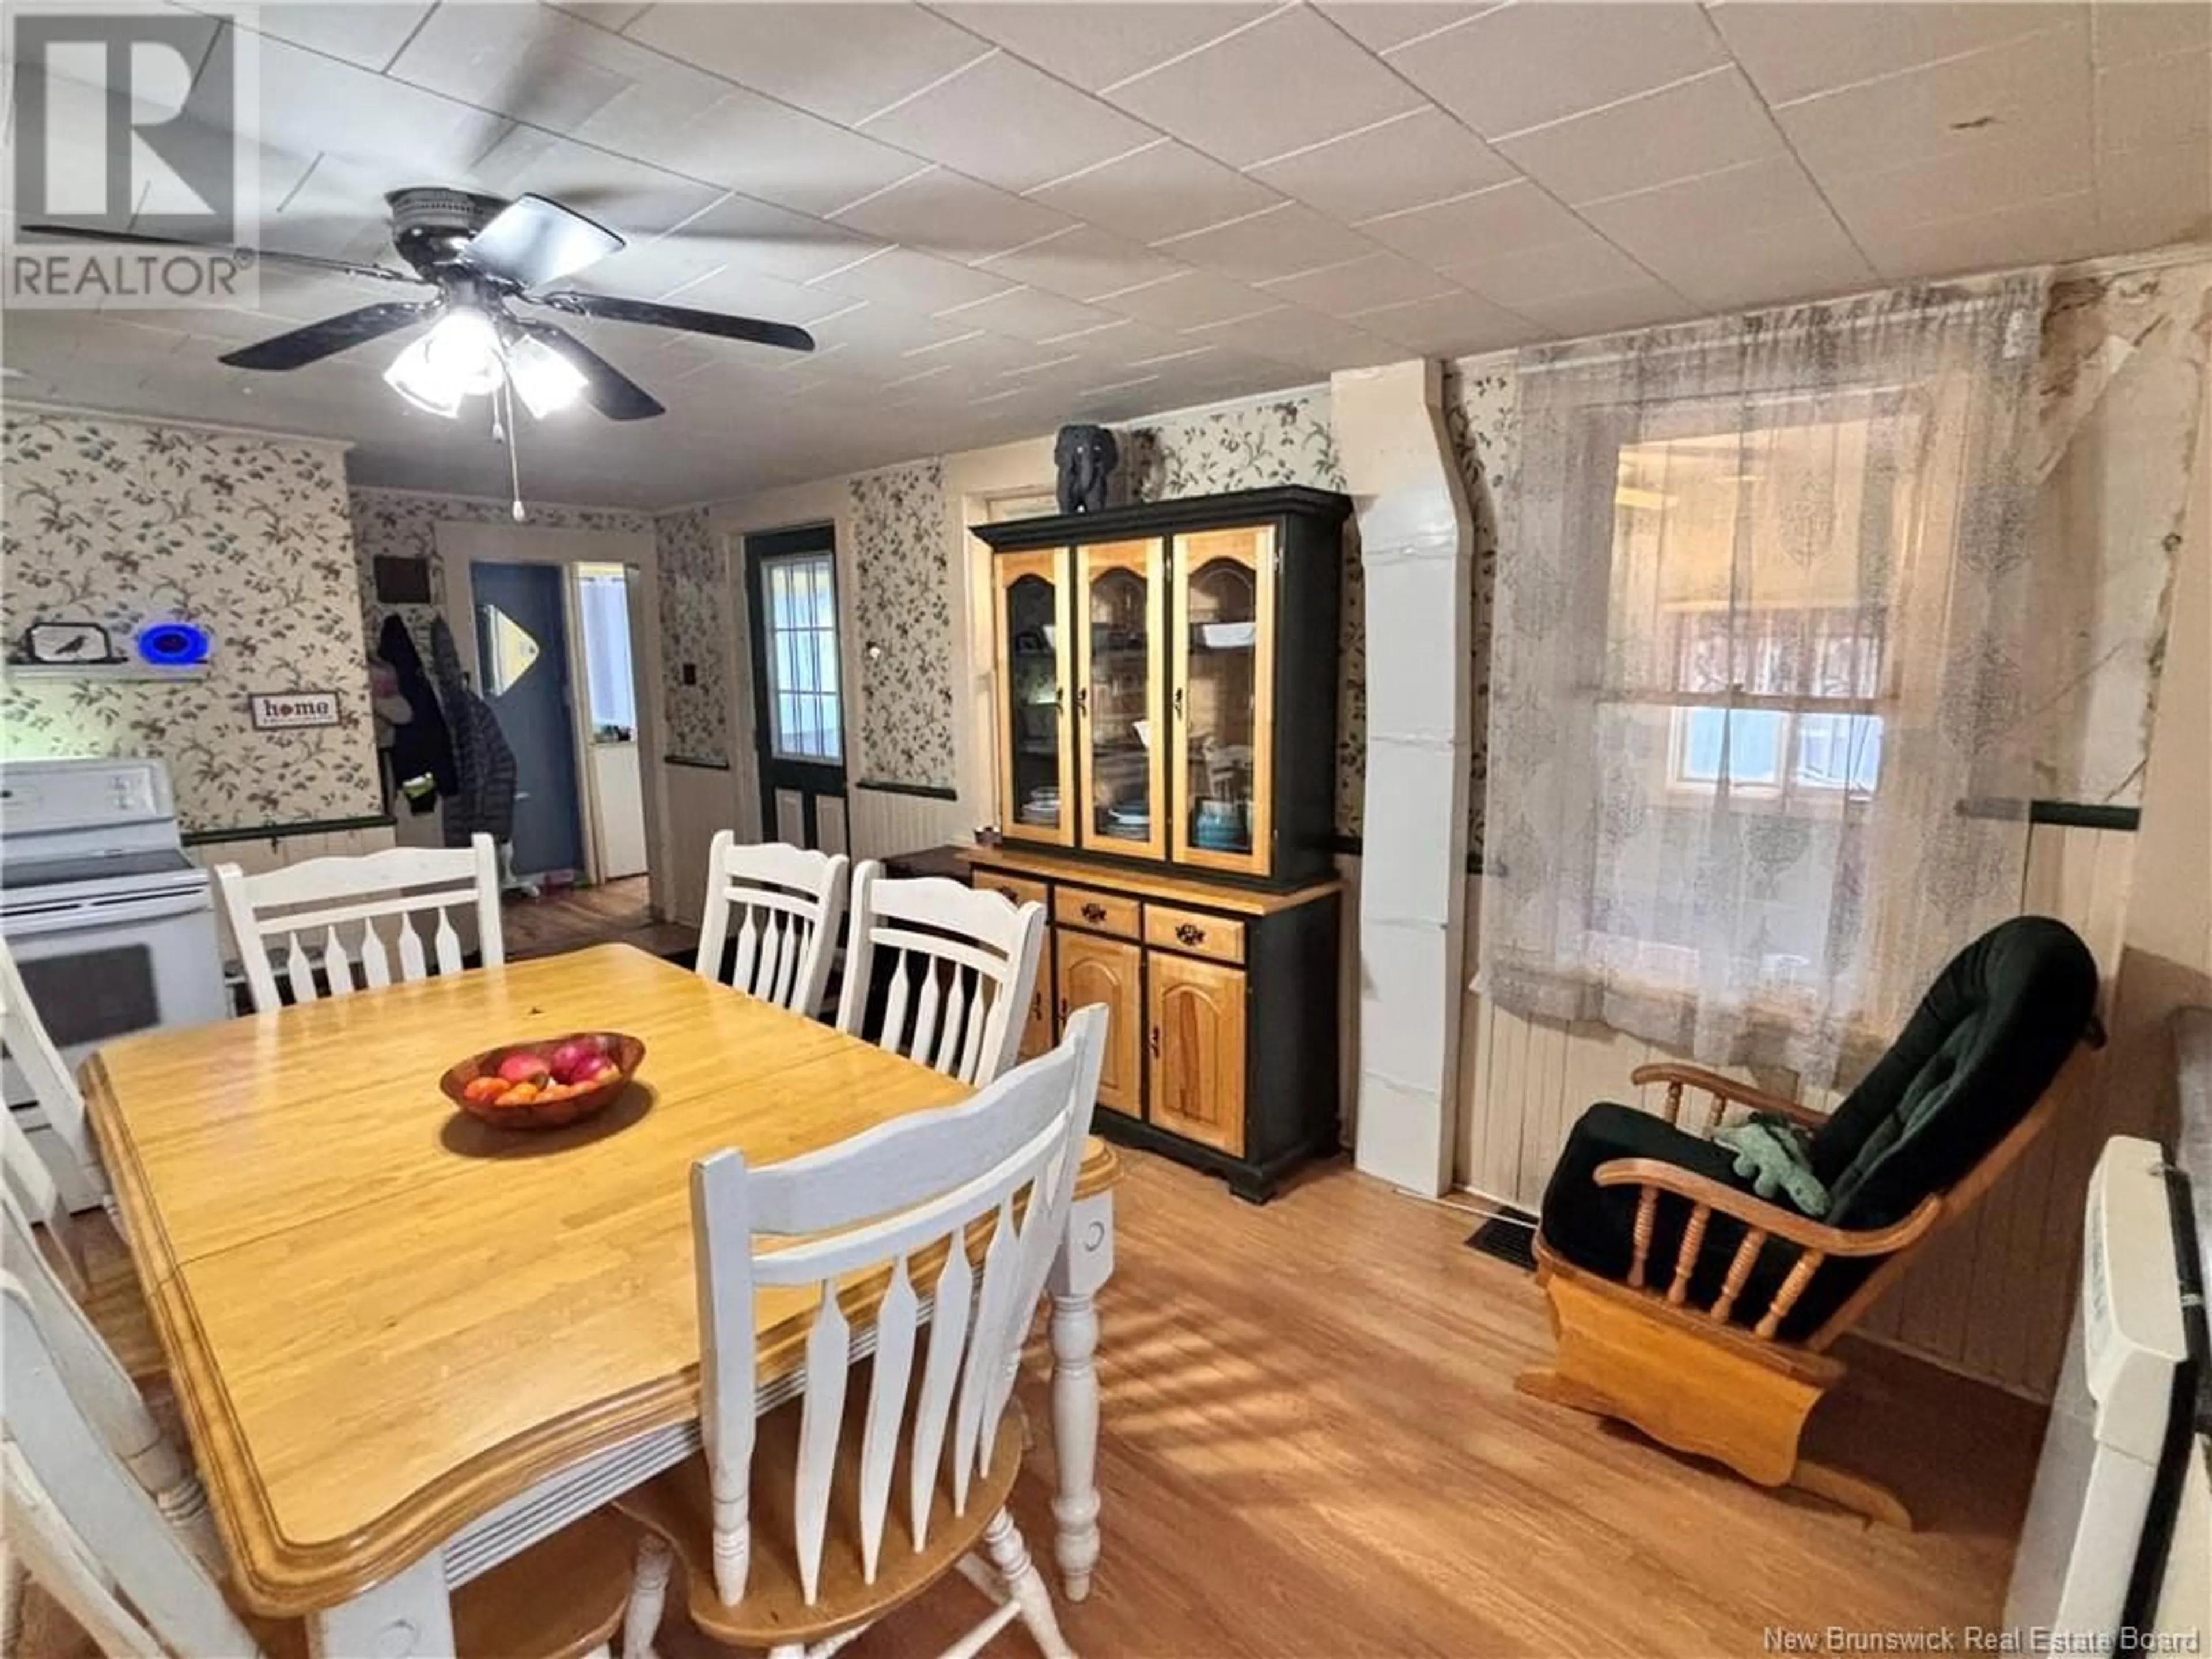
x=423, y=743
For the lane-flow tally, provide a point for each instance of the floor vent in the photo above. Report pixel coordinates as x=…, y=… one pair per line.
x=1511, y=1235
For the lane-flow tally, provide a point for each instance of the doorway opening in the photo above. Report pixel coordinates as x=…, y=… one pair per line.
x=614, y=770
x=798, y=704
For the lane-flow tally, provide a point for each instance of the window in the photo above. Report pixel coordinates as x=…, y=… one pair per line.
x=603, y=607
x=1778, y=703
x=801, y=637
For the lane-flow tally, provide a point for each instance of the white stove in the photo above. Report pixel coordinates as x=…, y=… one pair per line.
x=111, y=924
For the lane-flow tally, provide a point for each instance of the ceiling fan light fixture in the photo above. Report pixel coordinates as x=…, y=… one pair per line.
x=414, y=377
x=546, y=381
x=463, y=350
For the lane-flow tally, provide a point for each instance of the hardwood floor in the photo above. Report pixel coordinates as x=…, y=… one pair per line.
x=568, y=918
x=1312, y=1447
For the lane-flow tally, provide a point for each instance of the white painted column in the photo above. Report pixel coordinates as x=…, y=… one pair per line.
x=1417, y=543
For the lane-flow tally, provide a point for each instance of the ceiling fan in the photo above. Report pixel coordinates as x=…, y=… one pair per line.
x=484, y=256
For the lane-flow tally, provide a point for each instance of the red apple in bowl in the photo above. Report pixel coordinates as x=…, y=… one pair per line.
x=525, y=1068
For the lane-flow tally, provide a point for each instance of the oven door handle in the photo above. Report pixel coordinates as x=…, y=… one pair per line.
x=80, y=917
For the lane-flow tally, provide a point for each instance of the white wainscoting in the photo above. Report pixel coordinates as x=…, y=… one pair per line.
x=879, y=822
x=1991, y=1298
x=702, y=799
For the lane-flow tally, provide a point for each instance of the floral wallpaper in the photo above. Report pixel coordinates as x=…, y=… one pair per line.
x=902, y=623
x=693, y=633
x=122, y=522
x=1482, y=411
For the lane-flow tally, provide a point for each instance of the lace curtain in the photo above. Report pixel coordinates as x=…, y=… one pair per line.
x=1759, y=661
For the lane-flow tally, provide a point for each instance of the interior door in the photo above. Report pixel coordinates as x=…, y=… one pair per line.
x=1036, y=782
x=799, y=719
x=1109, y=971
x=1196, y=1041
x=522, y=662
x=1122, y=594
x=1223, y=698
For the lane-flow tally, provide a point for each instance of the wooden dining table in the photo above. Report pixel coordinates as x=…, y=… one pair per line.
x=408, y=1344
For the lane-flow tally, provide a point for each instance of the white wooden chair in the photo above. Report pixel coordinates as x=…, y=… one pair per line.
x=23, y=1035
x=786, y=1524
x=91, y=1537
x=31, y=1193
x=789, y=901
x=963, y=961
x=339, y=912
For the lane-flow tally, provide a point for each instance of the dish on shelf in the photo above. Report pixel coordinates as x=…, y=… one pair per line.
x=1226, y=636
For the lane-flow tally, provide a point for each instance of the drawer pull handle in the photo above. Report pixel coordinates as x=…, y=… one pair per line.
x=1178, y=702
x=1189, y=935
x=1063, y=1007
x=1037, y=1004
x=1156, y=1042
x=1094, y=912
x=1082, y=699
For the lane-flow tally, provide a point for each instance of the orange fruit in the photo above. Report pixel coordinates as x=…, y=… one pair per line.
x=483, y=1088
x=521, y=1094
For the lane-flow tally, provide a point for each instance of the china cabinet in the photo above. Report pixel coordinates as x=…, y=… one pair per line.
x=1166, y=679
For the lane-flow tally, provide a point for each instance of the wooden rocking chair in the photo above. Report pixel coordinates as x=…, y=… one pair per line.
x=1702, y=1315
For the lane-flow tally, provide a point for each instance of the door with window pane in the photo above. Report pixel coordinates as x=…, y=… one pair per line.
x=799, y=723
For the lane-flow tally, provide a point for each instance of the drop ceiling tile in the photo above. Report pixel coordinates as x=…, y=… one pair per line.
x=953, y=216
x=781, y=154
x=1380, y=278
x=2034, y=80
x=2149, y=196
x=544, y=66
x=2124, y=30
x=1282, y=241
x=1811, y=258
x=1291, y=80
x=2155, y=101
x=1292, y=334
x=1489, y=223
x=1694, y=127
x=1126, y=342
x=2062, y=227
x=915, y=282
x=1792, y=51
x=775, y=241
x=844, y=61
x=1407, y=162
x=2044, y=162
x=1013, y=126
x=682, y=273
x=368, y=34
x=1164, y=190
x=1457, y=325
x=1607, y=310
x=1031, y=313
x=1756, y=196
x=1520, y=66
x=869, y=337
x=1110, y=43
x=1193, y=300
x=1082, y=262
x=1379, y=25
x=1586, y=264
x=391, y=132
x=615, y=14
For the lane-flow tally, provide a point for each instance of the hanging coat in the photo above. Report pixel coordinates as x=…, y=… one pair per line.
x=423, y=746
x=485, y=800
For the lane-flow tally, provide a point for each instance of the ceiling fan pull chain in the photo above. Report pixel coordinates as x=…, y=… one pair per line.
x=506, y=402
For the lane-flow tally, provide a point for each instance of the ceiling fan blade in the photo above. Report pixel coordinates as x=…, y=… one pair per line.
x=617, y=310
x=332, y=335
x=606, y=388
x=265, y=255
x=533, y=240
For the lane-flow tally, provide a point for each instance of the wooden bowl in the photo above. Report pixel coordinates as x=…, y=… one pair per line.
x=626, y=1053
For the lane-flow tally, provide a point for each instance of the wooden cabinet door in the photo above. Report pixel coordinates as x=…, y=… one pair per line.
x=1036, y=1024
x=1108, y=970
x=1121, y=609
x=1196, y=1037
x=1036, y=745
x=1222, y=699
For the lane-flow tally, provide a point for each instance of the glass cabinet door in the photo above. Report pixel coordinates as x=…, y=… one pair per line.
x=1223, y=698
x=1035, y=787
x=1121, y=592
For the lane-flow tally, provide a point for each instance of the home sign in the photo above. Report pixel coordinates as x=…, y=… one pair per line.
x=286, y=711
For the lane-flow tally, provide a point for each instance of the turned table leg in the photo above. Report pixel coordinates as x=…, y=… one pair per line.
x=408, y=1616
x=1085, y=1263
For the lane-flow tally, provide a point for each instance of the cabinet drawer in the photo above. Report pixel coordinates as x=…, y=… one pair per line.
x=1018, y=889
x=1103, y=913
x=1195, y=931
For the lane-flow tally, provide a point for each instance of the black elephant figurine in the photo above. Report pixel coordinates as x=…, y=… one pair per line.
x=1086, y=457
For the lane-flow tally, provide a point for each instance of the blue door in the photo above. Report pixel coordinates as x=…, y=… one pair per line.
x=522, y=661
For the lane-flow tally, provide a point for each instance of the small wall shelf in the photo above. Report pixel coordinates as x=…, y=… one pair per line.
x=102, y=671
